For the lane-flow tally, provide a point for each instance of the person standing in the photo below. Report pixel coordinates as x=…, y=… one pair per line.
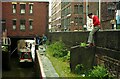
x=113, y=23
x=44, y=39
x=96, y=27
x=37, y=41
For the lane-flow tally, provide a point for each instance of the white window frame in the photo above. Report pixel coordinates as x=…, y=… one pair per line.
x=14, y=26
x=22, y=11
x=30, y=8
x=14, y=8
x=22, y=26
x=31, y=26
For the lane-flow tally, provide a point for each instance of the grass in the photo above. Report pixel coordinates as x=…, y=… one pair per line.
x=62, y=68
x=60, y=60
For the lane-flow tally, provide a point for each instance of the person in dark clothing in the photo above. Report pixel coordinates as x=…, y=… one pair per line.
x=37, y=40
x=30, y=45
x=44, y=39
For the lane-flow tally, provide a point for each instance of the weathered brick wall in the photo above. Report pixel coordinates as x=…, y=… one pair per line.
x=110, y=59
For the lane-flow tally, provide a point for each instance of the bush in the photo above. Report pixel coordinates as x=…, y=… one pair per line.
x=57, y=49
x=67, y=57
x=99, y=72
x=79, y=68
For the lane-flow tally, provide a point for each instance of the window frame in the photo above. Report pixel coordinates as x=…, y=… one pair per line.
x=14, y=24
x=30, y=24
x=30, y=8
x=14, y=10
x=22, y=24
x=22, y=9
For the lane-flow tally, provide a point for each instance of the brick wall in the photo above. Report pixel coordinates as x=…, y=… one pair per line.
x=39, y=16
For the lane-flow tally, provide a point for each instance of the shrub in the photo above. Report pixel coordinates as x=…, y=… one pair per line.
x=67, y=57
x=79, y=68
x=99, y=72
x=58, y=49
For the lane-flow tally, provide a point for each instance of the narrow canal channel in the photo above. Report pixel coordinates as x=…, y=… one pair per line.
x=17, y=71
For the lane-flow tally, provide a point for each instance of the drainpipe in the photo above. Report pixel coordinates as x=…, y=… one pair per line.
x=100, y=10
x=86, y=11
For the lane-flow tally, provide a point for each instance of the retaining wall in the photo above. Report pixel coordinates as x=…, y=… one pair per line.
x=107, y=51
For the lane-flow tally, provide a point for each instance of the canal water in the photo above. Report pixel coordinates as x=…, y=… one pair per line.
x=18, y=71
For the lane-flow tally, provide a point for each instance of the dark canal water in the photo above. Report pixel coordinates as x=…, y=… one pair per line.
x=17, y=71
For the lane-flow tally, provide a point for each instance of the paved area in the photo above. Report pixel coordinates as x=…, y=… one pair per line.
x=47, y=65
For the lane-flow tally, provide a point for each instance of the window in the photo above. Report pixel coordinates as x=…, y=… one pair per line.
x=3, y=25
x=111, y=9
x=14, y=24
x=118, y=5
x=30, y=8
x=78, y=21
x=78, y=9
x=22, y=24
x=30, y=24
x=13, y=8
x=22, y=8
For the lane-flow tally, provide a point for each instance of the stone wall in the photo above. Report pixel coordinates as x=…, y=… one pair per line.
x=82, y=55
x=104, y=39
x=69, y=38
x=107, y=51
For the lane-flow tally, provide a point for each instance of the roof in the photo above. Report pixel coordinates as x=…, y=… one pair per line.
x=25, y=0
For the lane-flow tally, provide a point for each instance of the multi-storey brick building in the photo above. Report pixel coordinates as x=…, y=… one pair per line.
x=73, y=14
x=24, y=18
x=105, y=12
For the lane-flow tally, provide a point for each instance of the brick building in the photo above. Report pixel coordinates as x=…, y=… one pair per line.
x=56, y=15
x=73, y=14
x=106, y=12
x=24, y=18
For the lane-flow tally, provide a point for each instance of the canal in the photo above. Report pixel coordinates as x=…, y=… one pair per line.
x=18, y=71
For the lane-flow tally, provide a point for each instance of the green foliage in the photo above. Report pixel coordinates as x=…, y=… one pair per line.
x=58, y=49
x=99, y=72
x=79, y=68
x=67, y=57
x=83, y=44
x=47, y=42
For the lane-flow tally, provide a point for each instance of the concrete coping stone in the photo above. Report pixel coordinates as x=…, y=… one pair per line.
x=46, y=66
